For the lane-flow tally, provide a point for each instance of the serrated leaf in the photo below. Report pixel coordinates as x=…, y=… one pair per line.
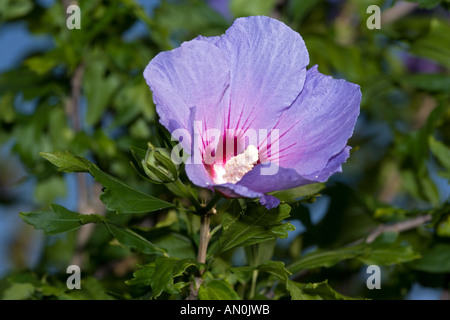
x=117, y=196
x=217, y=290
x=143, y=277
x=124, y=199
x=66, y=161
x=256, y=225
x=274, y=268
x=56, y=220
x=314, y=291
x=166, y=269
x=296, y=292
x=131, y=239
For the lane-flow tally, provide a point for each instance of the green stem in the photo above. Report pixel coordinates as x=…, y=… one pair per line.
x=205, y=213
x=204, y=238
x=188, y=194
x=253, y=287
x=217, y=228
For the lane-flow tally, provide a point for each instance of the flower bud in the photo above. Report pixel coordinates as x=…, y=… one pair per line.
x=158, y=165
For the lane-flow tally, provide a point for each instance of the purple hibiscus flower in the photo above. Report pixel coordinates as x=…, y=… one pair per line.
x=250, y=115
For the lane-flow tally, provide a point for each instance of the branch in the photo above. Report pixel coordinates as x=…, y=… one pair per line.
x=398, y=227
x=205, y=236
x=398, y=11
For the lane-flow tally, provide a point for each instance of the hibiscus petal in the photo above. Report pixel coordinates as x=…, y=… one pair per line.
x=286, y=178
x=334, y=165
x=198, y=175
x=317, y=126
x=267, y=62
x=259, y=178
x=191, y=79
x=234, y=191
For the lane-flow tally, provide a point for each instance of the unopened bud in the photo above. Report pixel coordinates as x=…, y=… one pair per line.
x=158, y=165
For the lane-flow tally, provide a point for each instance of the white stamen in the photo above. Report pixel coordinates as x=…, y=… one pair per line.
x=236, y=167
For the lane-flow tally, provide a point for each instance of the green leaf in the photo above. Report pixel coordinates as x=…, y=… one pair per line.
x=166, y=269
x=56, y=220
x=133, y=100
x=177, y=245
x=294, y=194
x=314, y=291
x=379, y=252
x=13, y=9
x=48, y=190
x=430, y=45
x=117, y=196
x=66, y=161
x=143, y=277
x=217, y=290
x=274, y=268
x=125, y=199
x=242, y=8
x=443, y=228
x=256, y=225
x=428, y=4
x=99, y=88
x=19, y=291
x=428, y=82
x=321, y=258
x=130, y=239
x=7, y=114
x=42, y=64
x=296, y=291
x=434, y=260
x=388, y=254
x=91, y=289
x=261, y=252
x=300, y=8
x=440, y=151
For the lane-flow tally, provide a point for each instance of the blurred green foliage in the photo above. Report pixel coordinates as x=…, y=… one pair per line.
x=399, y=169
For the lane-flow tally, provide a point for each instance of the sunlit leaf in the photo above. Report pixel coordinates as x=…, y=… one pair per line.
x=56, y=220
x=67, y=162
x=131, y=239
x=217, y=290
x=256, y=224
